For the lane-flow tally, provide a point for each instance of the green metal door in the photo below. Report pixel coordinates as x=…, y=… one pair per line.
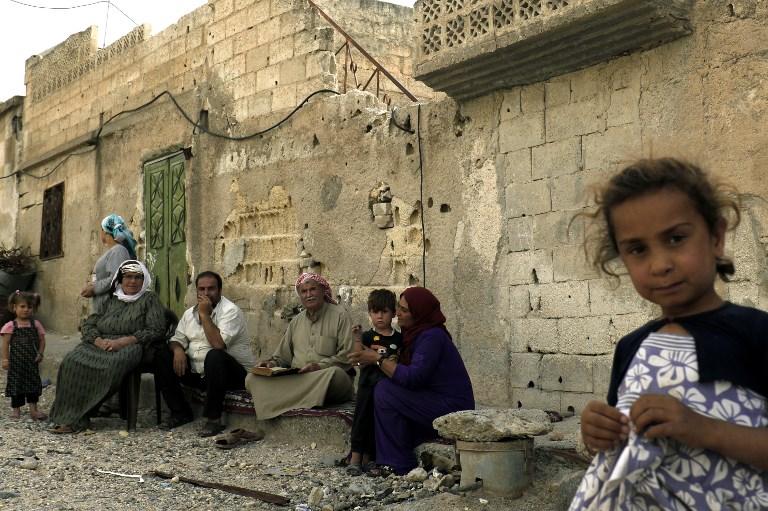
x=165, y=213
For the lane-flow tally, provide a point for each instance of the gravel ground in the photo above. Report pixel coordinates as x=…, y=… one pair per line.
x=41, y=471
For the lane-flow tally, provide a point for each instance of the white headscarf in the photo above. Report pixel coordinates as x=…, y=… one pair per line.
x=131, y=266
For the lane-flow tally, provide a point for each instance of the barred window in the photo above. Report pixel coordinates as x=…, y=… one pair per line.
x=50, y=235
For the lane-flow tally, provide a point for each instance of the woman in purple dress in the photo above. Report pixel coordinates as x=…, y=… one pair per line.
x=427, y=382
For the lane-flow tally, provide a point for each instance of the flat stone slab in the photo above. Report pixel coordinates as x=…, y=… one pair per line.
x=493, y=425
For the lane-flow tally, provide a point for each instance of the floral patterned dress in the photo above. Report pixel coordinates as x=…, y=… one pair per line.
x=663, y=474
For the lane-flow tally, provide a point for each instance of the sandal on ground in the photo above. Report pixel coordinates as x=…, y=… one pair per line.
x=210, y=429
x=367, y=467
x=354, y=469
x=237, y=437
x=38, y=416
x=62, y=429
x=380, y=471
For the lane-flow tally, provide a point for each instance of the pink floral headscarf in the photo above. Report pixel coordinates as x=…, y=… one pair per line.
x=327, y=295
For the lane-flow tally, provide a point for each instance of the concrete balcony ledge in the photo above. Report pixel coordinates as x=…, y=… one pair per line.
x=468, y=48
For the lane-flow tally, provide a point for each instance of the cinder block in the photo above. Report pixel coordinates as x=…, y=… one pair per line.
x=245, y=41
x=625, y=106
x=268, y=31
x=584, y=336
x=257, y=58
x=519, y=301
x=557, y=158
x=570, y=192
x=570, y=373
x=564, y=299
x=528, y=198
x=267, y=78
x=281, y=50
x=293, y=70
x=617, y=146
x=557, y=228
x=558, y=92
x=243, y=86
x=222, y=51
x=623, y=324
x=523, y=131
x=517, y=165
x=570, y=263
x=489, y=371
x=601, y=374
x=278, y=7
x=222, y=8
x=260, y=104
x=320, y=63
x=524, y=369
x=529, y=267
x=258, y=12
x=313, y=40
x=236, y=24
x=284, y=97
x=538, y=335
x=535, y=398
x=574, y=119
x=532, y=98
x=576, y=401
x=510, y=105
x=296, y=21
x=520, y=234
x=586, y=84
x=607, y=298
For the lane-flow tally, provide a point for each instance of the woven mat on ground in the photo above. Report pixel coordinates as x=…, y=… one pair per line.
x=239, y=401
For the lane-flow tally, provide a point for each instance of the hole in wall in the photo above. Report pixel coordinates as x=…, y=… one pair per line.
x=560, y=380
x=430, y=202
x=368, y=128
x=392, y=244
x=531, y=385
x=731, y=11
x=519, y=404
x=427, y=245
x=408, y=148
x=571, y=410
x=529, y=349
x=412, y=280
x=315, y=141
x=306, y=226
x=445, y=208
x=187, y=29
x=534, y=276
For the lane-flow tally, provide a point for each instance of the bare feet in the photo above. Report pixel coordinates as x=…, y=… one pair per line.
x=16, y=413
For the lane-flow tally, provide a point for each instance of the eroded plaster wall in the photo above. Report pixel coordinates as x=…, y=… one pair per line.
x=503, y=176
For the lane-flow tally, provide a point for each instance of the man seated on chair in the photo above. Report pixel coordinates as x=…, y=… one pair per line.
x=210, y=350
x=316, y=344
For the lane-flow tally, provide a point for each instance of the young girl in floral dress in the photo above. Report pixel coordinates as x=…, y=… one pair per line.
x=22, y=350
x=685, y=422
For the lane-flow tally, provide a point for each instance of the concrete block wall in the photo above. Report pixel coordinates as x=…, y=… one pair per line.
x=558, y=138
x=10, y=147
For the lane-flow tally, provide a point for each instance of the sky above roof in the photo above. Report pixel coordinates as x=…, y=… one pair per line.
x=31, y=31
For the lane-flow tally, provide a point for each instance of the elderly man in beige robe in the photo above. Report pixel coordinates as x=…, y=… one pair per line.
x=316, y=343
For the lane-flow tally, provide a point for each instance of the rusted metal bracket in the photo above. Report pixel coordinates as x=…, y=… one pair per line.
x=350, y=65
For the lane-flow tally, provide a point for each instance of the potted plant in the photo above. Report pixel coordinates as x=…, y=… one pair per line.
x=17, y=270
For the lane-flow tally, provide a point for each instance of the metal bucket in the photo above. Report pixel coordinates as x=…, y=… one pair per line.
x=506, y=468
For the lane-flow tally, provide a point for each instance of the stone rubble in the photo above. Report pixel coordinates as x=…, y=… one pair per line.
x=43, y=471
x=493, y=425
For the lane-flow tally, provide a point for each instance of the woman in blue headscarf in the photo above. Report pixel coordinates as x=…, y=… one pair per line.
x=121, y=247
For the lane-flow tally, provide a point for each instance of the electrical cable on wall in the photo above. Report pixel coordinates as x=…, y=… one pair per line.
x=96, y=2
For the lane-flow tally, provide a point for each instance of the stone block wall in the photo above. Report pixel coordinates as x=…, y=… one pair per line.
x=503, y=176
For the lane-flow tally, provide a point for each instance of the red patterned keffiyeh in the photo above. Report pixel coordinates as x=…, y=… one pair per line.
x=327, y=295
